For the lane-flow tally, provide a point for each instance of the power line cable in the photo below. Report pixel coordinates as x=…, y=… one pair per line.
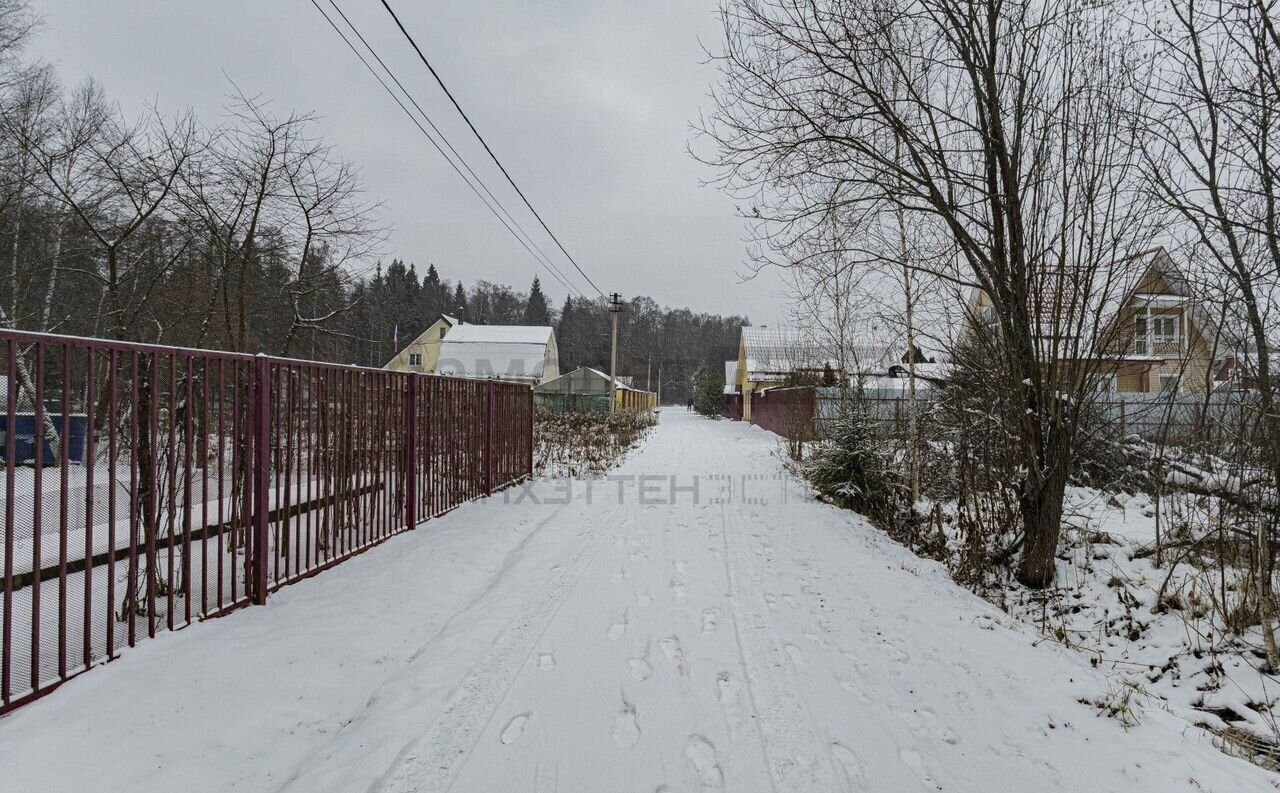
x=480, y=138
x=408, y=95
x=437, y=146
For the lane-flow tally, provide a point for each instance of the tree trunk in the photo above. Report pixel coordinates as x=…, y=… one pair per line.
x=1041, y=506
x=47, y=309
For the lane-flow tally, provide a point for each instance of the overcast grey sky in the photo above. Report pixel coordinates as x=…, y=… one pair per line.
x=587, y=102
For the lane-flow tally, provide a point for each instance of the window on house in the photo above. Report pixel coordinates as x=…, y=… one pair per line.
x=415, y=359
x=1140, y=334
x=1165, y=328
x=1169, y=382
x=442, y=333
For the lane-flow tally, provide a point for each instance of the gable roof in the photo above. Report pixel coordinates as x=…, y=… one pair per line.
x=773, y=352
x=555, y=384
x=1093, y=301
x=510, y=351
x=1131, y=273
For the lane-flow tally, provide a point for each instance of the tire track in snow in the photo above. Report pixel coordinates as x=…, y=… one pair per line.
x=433, y=762
x=797, y=760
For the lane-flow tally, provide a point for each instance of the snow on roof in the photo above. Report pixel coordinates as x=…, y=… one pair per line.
x=625, y=382
x=511, y=351
x=504, y=334
x=776, y=351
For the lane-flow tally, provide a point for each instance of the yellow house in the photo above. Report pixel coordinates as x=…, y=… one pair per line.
x=422, y=354
x=1151, y=334
x=630, y=398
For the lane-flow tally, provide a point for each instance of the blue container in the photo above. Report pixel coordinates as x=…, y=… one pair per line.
x=23, y=439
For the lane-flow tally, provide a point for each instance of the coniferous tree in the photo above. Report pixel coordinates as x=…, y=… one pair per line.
x=459, y=307
x=434, y=298
x=536, y=311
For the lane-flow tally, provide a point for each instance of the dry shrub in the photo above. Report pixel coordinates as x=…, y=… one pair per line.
x=585, y=444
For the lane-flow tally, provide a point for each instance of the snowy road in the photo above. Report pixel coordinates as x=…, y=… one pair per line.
x=731, y=635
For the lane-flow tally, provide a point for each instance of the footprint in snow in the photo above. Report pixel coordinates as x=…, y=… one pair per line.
x=702, y=756
x=896, y=653
x=710, y=618
x=815, y=638
x=679, y=592
x=729, y=691
x=674, y=652
x=912, y=760
x=849, y=766
x=794, y=654
x=546, y=662
x=618, y=628
x=626, y=727
x=643, y=598
x=928, y=721
x=681, y=566
x=640, y=668
x=514, y=729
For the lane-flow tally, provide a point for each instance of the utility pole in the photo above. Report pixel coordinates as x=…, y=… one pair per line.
x=615, y=308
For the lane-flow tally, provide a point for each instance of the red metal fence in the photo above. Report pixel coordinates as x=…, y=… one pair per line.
x=733, y=407
x=788, y=412
x=147, y=487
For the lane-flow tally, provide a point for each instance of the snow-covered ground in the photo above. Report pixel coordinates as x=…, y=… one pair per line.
x=742, y=637
x=1176, y=656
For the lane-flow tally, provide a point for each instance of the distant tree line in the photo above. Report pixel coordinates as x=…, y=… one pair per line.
x=654, y=343
x=249, y=235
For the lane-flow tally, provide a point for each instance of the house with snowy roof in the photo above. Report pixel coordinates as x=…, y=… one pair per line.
x=521, y=353
x=1137, y=317
x=773, y=356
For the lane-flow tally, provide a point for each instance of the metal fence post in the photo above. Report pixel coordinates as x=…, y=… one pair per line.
x=488, y=438
x=410, y=470
x=260, y=471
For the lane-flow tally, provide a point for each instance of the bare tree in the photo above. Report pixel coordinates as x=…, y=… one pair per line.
x=1213, y=159
x=333, y=225
x=123, y=177
x=1004, y=134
